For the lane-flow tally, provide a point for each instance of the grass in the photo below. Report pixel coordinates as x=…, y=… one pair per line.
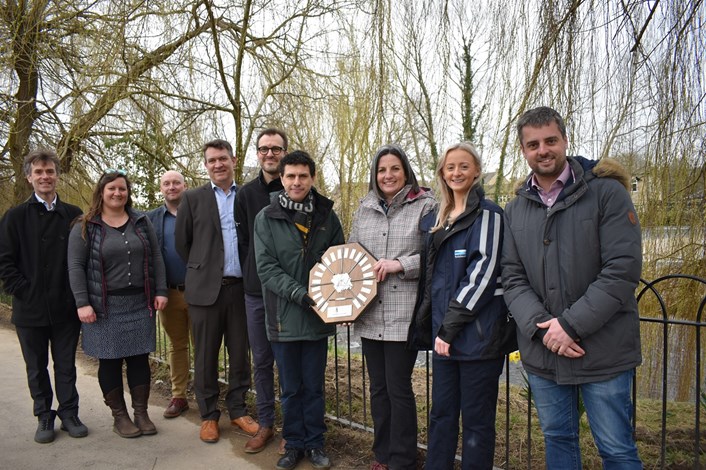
x=679, y=433
x=350, y=447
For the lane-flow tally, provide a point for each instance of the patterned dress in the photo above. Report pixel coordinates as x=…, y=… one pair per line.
x=125, y=323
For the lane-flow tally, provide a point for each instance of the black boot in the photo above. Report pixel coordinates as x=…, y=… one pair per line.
x=140, y=397
x=122, y=424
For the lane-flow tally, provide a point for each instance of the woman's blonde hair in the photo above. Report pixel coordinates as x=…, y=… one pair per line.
x=446, y=195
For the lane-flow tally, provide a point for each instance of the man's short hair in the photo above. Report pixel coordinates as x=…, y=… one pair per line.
x=273, y=131
x=298, y=157
x=40, y=155
x=539, y=117
x=219, y=144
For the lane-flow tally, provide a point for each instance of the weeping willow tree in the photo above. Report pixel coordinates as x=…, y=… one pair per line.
x=629, y=79
x=670, y=181
x=150, y=81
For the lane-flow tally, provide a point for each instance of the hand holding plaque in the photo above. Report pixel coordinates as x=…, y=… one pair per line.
x=343, y=284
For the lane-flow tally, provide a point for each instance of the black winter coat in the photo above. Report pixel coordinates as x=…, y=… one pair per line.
x=33, y=268
x=580, y=262
x=252, y=197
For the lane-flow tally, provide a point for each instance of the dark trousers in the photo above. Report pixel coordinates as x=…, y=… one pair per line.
x=392, y=403
x=110, y=372
x=225, y=320
x=471, y=389
x=35, y=343
x=302, y=367
x=263, y=360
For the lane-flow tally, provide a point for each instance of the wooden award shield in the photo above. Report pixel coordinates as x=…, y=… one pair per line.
x=342, y=284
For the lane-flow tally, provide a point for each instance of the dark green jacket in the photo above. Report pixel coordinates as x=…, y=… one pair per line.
x=283, y=264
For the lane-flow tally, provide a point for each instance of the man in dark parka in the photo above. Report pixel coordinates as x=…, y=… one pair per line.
x=33, y=241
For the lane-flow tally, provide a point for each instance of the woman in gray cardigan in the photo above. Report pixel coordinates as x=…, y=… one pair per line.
x=117, y=276
x=387, y=225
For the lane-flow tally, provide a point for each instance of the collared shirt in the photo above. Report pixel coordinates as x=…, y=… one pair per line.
x=50, y=207
x=226, y=207
x=549, y=197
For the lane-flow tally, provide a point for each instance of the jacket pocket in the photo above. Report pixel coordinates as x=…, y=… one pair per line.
x=616, y=343
x=23, y=293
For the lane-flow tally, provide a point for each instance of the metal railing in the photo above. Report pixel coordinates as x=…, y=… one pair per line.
x=665, y=320
x=673, y=304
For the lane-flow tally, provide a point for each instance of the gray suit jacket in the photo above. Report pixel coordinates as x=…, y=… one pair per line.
x=200, y=243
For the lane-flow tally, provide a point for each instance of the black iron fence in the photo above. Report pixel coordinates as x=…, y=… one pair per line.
x=672, y=319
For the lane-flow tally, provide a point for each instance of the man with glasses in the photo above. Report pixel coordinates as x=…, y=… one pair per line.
x=252, y=198
x=206, y=239
x=175, y=317
x=33, y=269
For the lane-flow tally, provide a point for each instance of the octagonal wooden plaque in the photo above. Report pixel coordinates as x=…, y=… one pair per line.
x=342, y=284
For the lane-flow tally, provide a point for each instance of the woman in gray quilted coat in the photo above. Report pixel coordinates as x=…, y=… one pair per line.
x=387, y=225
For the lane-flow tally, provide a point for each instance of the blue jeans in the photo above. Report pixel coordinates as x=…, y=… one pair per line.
x=608, y=406
x=468, y=388
x=302, y=366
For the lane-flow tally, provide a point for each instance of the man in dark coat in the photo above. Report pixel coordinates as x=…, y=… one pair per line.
x=570, y=265
x=33, y=241
x=252, y=198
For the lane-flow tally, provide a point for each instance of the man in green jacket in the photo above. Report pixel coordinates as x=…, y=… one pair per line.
x=291, y=235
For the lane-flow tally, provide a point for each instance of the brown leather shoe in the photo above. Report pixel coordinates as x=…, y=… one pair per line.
x=258, y=442
x=209, y=431
x=248, y=425
x=176, y=407
x=281, y=450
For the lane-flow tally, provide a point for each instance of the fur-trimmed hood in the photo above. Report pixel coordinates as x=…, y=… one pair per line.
x=603, y=168
x=611, y=168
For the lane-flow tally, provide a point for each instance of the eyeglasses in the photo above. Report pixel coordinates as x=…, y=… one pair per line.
x=119, y=171
x=265, y=150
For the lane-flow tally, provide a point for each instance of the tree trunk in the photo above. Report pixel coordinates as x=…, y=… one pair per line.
x=24, y=20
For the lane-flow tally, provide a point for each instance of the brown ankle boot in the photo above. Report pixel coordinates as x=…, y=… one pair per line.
x=140, y=397
x=122, y=424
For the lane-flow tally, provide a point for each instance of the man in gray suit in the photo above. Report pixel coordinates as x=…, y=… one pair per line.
x=206, y=239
